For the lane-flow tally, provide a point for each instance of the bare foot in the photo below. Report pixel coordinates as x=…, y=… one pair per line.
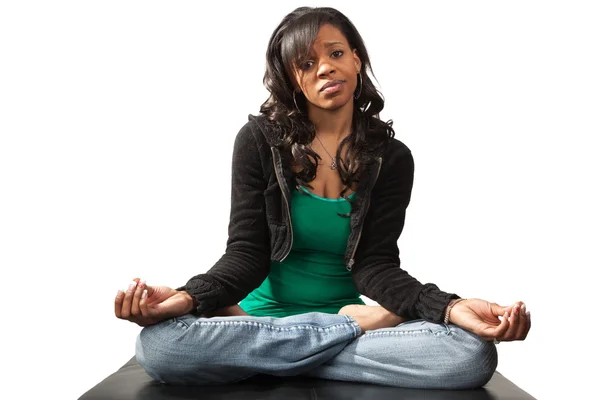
x=230, y=311
x=371, y=317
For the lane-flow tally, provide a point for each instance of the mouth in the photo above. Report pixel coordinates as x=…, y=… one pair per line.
x=331, y=86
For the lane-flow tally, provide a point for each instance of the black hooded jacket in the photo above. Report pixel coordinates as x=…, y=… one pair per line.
x=260, y=230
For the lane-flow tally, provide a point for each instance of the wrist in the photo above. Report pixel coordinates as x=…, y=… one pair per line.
x=192, y=304
x=448, y=311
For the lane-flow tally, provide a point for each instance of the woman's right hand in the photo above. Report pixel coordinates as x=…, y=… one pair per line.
x=147, y=305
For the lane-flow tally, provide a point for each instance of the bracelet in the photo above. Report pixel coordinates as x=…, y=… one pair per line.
x=449, y=308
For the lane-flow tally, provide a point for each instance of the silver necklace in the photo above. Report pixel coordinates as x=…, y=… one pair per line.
x=333, y=164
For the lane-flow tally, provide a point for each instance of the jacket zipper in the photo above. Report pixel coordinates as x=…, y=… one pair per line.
x=351, y=262
x=287, y=206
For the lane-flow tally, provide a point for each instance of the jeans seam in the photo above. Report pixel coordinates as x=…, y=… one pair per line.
x=273, y=327
x=448, y=330
x=403, y=333
x=355, y=325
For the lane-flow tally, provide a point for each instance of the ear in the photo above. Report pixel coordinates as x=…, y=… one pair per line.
x=357, y=62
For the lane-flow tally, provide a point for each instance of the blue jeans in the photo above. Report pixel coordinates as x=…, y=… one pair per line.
x=415, y=354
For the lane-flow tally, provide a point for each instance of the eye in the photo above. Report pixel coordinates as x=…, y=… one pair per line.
x=337, y=54
x=306, y=65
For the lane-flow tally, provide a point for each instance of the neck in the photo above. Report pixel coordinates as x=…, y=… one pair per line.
x=332, y=124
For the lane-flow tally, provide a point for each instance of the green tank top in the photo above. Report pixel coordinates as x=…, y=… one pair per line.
x=313, y=277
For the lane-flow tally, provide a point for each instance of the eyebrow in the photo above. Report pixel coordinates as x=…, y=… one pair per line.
x=329, y=44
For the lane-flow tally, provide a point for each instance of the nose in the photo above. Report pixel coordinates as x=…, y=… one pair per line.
x=325, y=68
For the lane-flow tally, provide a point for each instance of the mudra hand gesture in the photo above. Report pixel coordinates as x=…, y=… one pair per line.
x=482, y=318
x=146, y=305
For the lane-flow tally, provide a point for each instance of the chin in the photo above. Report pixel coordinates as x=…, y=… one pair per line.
x=335, y=104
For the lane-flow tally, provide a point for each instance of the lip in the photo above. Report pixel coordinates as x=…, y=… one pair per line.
x=331, y=83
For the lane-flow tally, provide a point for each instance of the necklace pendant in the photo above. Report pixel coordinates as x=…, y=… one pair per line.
x=333, y=165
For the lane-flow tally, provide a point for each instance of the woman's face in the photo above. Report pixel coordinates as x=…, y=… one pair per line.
x=328, y=77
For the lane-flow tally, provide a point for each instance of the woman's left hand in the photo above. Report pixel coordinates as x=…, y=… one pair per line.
x=482, y=318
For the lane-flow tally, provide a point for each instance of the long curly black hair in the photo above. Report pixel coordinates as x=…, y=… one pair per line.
x=293, y=38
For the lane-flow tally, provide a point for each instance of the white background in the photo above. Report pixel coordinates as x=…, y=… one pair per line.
x=117, y=121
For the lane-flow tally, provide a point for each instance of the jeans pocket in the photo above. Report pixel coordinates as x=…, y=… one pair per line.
x=183, y=321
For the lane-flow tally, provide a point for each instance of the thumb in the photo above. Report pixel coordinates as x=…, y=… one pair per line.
x=151, y=290
x=499, y=310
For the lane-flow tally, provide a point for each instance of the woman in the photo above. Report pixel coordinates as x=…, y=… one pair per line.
x=319, y=193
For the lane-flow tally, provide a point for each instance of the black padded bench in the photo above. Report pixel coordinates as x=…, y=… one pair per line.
x=131, y=382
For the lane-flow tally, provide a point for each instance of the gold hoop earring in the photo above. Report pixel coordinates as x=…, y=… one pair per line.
x=356, y=96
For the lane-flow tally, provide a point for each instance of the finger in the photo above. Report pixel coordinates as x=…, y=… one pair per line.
x=126, y=307
x=499, y=331
x=119, y=303
x=525, y=324
x=137, y=294
x=144, y=304
x=515, y=321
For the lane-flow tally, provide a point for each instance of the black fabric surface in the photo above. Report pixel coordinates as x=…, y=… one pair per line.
x=131, y=382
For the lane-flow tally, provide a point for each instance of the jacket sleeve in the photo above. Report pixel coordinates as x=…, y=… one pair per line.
x=246, y=262
x=377, y=273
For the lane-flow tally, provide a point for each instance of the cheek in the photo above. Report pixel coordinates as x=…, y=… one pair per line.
x=308, y=87
x=305, y=83
x=297, y=80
